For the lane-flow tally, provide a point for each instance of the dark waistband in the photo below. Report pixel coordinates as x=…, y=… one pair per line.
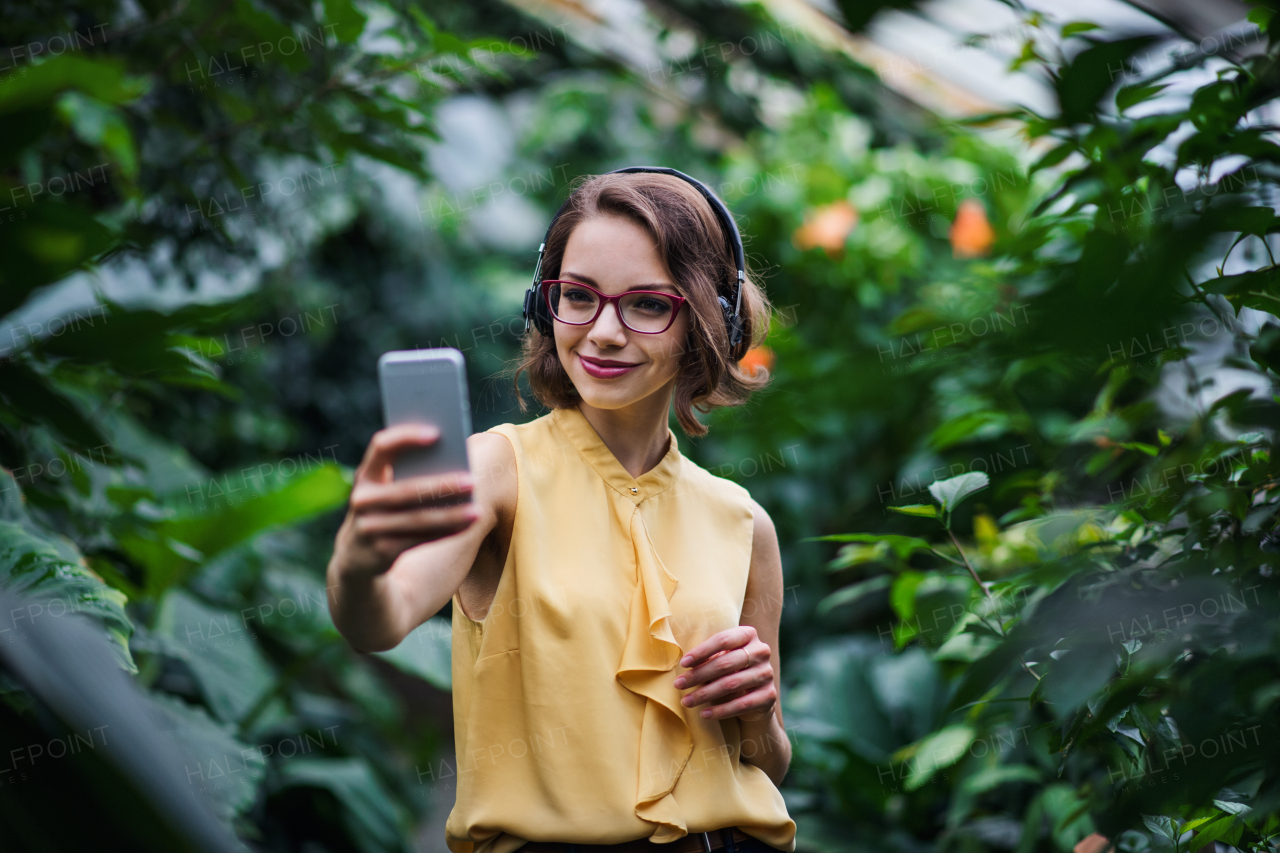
x=728, y=840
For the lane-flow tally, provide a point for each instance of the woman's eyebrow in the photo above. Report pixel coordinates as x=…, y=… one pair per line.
x=586, y=279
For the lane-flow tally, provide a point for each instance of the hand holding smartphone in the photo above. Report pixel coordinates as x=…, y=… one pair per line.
x=428, y=387
x=413, y=487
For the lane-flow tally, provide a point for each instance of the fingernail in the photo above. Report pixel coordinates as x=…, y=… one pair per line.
x=686, y=660
x=706, y=713
x=680, y=681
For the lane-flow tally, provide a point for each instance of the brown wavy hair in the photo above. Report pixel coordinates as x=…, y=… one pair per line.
x=691, y=240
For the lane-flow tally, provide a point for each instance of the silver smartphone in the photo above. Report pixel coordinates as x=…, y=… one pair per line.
x=428, y=386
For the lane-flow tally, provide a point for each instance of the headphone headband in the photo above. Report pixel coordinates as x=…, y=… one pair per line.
x=732, y=315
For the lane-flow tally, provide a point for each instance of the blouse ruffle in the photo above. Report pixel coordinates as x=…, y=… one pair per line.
x=649, y=653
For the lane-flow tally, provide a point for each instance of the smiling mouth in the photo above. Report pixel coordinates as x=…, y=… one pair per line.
x=604, y=368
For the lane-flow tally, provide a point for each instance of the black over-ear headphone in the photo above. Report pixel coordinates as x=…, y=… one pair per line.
x=537, y=313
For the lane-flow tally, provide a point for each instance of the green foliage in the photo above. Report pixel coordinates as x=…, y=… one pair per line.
x=130, y=148
x=30, y=563
x=1109, y=622
x=1002, y=464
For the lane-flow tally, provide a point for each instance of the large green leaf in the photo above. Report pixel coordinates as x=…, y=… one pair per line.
x=32, y=398
x=102, y=126
x=982, y=675
x=940, y=749
x=902, y=546
x=1259, y=289
x=854, y=592
x=229, y=509
x=216, y=762
x=61, y=587
x=348, y=21
x=919, y=510
x=99, y=77
x=1130, y=95
x=46, y=241
x=426, y=653
x=1211, y=832
x=951, y=492
x=984, y=424
x=374, y=821
x=142, y=343
x=1077, y=675
x=293, y=603
x=216, y=520
x=1092, y=73
x=221, y=649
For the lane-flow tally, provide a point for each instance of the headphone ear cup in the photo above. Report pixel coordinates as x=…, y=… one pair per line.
x=732, y=328
x=535, y=311
x=542, y=316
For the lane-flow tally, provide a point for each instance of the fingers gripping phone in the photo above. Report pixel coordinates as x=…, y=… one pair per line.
x=428, y=386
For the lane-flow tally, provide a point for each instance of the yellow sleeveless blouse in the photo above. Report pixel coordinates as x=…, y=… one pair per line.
x=567, y=724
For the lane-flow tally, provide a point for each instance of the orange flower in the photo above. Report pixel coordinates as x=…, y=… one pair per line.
x=827, y=226
x=756, y=358
x=971, y=233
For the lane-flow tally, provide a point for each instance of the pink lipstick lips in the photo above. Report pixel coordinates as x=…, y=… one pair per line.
x=603, y=368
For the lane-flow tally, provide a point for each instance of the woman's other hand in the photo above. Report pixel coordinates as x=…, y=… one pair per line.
x=735, y=671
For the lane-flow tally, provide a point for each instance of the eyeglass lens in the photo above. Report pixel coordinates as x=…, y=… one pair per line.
x=643, y=312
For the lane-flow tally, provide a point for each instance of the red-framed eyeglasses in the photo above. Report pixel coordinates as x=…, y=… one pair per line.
x=649, y=312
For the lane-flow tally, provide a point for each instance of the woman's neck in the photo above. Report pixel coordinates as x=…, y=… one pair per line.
x=637, y=435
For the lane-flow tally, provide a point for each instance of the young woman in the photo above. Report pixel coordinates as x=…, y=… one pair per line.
x=615, y=606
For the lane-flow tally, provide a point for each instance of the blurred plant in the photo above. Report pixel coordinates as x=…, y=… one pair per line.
x=1099, y=659
x=154, y=139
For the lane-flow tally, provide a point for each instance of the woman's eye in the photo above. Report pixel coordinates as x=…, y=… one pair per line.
x=651, y=305
x=577, y=295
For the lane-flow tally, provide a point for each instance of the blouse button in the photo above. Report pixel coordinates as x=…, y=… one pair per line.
x=634, y=490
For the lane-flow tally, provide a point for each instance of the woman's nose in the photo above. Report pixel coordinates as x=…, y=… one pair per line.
x=608, y=326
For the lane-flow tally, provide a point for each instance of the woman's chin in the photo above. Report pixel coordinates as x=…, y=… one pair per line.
x=607, y=393
x=605, y=398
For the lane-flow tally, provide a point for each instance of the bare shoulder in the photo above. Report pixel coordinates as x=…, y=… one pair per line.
x=762, y=599
x=766, y=557
x=490, y=446
x=493, y=469
x=765, y=538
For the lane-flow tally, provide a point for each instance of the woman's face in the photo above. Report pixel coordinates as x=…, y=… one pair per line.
x=615, y=255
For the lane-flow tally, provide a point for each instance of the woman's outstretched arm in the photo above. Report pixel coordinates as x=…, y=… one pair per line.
x=400, y=555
